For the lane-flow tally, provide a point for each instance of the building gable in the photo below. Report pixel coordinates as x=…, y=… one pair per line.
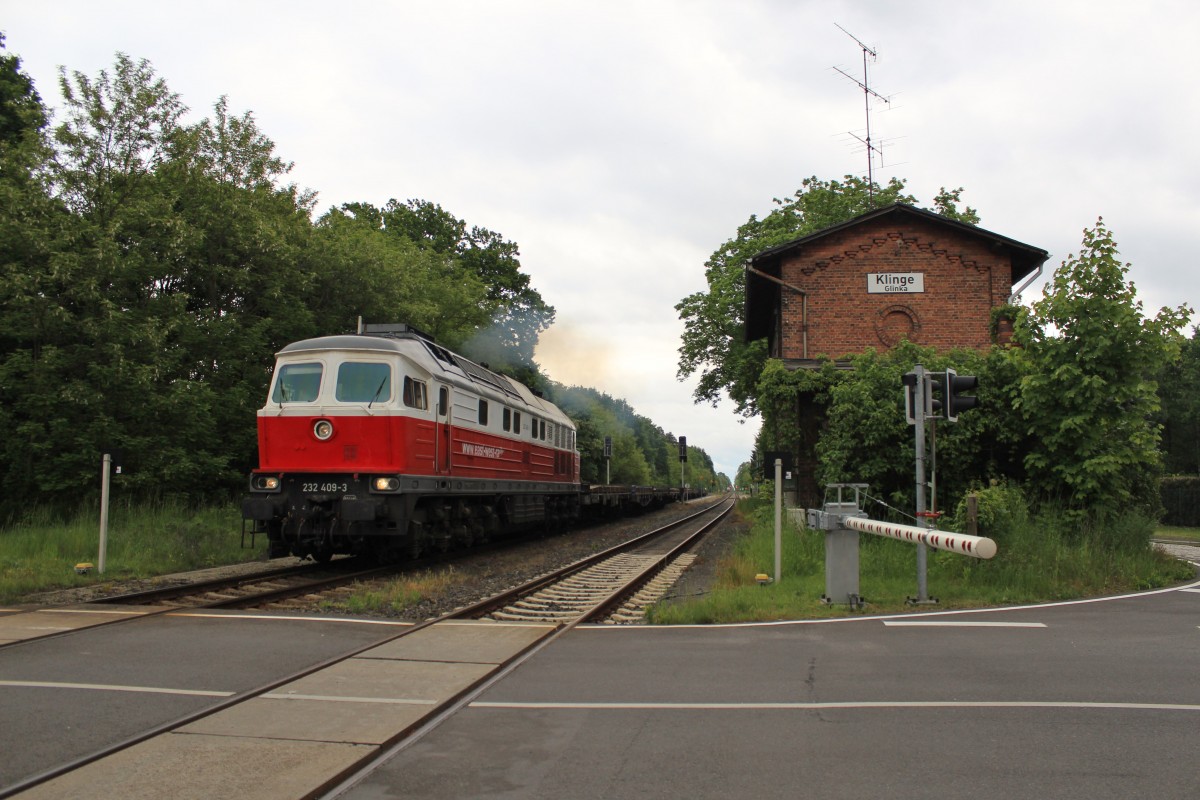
x=893, y=273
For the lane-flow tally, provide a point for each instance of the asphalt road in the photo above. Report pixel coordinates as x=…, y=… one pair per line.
x=66, y=697
x=1091, y=700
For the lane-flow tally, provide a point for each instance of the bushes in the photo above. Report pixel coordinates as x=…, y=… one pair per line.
x=1001, y=508
x=1181, y=500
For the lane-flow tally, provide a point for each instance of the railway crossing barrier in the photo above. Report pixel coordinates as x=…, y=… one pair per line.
x=843, y=520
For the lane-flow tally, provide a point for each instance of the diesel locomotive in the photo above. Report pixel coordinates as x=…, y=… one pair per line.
x=383, y=442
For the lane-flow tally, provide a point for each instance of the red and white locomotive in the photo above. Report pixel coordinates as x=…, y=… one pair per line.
x=385, y=442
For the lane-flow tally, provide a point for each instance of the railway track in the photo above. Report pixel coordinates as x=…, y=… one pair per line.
x=255, y=590
x=594, y=588
x=615, y=586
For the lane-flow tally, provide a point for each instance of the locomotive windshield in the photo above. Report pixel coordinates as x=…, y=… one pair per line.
x=297, y=383
x=363, y=382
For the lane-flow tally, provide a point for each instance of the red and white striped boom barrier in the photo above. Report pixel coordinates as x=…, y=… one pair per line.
x=961, y=543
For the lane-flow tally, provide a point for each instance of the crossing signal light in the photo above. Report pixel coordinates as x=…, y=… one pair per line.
x=933, y=406
x=955, y=401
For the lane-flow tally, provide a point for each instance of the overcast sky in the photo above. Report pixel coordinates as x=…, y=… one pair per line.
x=619, y=143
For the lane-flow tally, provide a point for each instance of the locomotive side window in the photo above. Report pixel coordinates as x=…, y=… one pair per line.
x=443, y=401
x=516, y=422
x=483, y=412
x=416, y=395
x=363, y=382
x=297, y=383
x=507, y=419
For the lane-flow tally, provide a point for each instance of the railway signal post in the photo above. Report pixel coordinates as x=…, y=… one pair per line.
x=683, y=467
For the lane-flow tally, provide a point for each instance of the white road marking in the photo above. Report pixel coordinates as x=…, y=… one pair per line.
x=842, y=705
x=214, y=615
x=336, y=699
x=920, y=623
x=104, y=687
x=105, y=611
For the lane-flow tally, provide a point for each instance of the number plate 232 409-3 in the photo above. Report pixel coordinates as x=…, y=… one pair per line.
x=326, y=486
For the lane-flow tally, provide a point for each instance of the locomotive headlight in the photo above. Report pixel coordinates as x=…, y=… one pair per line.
x=323, y=429
x=265, y=483
x=387, y=484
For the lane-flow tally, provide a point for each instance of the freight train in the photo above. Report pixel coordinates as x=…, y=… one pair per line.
x=385, y=443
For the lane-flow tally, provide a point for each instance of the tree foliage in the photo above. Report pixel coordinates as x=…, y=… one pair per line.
x=21, y=111
x=643, y=454
x=1088, y=391
x=150, y=268
x=1179, y=388
x=503, y=315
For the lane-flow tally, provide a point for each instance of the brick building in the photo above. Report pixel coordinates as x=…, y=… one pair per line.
x=893, y=273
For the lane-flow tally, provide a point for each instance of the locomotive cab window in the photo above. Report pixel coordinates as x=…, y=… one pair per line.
x=416, y=395
x=483, y=412
x=363, y=382
x=297, y=383
x=507, y=423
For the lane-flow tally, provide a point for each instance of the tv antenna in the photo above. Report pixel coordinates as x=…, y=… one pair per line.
x=868, y=93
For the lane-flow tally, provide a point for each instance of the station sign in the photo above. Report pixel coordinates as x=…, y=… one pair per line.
x=895, y=283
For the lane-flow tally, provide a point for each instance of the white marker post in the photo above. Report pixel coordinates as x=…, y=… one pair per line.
x=778, y=516
x=105, y=469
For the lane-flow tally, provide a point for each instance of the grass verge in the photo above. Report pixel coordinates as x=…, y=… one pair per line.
x=39, y=553
x=1177, y=533
x=1039, y=560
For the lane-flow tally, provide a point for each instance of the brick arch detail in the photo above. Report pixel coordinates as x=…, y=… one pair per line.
x=886, y=319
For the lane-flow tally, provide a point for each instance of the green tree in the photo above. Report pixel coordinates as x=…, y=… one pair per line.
x=150, y=321
x=21, y=111
x=371, y=272
x=31, y=223
x=514, y=313
x=714, y=320
x=1088, y=393
x=643, y=454
x=1179, y=387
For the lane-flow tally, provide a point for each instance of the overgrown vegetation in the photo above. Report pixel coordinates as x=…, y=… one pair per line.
x=1043, y=557
x=393, y=597
x=41, y=550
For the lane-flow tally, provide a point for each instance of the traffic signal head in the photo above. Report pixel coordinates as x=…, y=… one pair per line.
x=933, y=406
x=955, y=400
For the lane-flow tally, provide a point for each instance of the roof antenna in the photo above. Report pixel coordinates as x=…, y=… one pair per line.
x=868, y=93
